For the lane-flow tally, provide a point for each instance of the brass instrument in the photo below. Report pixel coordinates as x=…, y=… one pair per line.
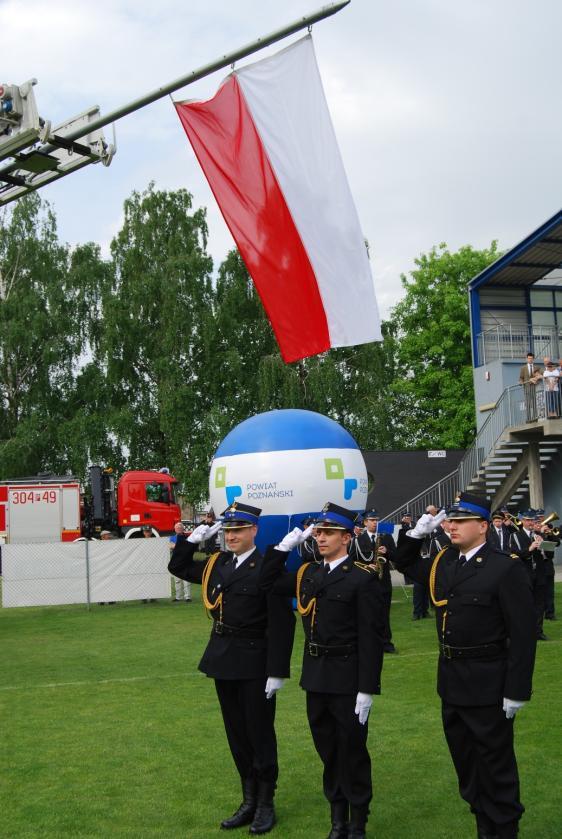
x=514, y=520
x=552, y=517
x=380, y=560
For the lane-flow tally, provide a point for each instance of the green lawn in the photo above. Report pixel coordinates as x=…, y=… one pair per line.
x=108, y=729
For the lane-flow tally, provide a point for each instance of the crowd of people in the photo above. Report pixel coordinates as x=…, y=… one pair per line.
x=486, y=576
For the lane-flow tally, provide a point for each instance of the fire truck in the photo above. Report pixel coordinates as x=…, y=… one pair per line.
x=50, y=508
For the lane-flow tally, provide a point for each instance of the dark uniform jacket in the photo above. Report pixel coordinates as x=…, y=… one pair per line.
x=348, y=611
x=487, y=601
x=361, y=550
x=534, y=561
x=494, y=538
x=248, y=608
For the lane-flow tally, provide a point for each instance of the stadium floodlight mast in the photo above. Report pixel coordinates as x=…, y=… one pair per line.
x=35, y=153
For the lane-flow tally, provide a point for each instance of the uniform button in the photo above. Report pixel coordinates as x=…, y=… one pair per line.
x=449, y=613
x=451, y=595
x=448, y=632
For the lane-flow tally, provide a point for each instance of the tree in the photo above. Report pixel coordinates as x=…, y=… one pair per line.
x=433, y=354
x=154, y=344
x=40, y=336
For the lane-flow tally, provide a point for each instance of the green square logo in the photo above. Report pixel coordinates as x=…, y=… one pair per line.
x=334, y=468
x=220, y=477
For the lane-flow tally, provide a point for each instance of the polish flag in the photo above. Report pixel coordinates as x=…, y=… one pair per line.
x=267, y=146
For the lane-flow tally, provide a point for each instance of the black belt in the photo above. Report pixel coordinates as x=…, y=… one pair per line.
x=316, y=650
x=483, y=651
x=220, y=628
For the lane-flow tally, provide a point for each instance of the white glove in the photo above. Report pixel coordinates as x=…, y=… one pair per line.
x=363, y=706
x=295, y=537
x=213, y=529
x=426, y=524
x=199, y=534
x=273, y=684
x=511, y=706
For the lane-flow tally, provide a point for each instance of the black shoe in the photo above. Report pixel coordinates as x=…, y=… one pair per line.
x=188, y=599
x=416, y=617
x=358, y=822
x=389, y=647
x=340, y=817
x=425, y=615
x=264, y=818
x=245, y=813
x=550, y=617
x=542, y=637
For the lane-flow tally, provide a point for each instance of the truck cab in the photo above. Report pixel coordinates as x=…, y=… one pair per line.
x=147, y=497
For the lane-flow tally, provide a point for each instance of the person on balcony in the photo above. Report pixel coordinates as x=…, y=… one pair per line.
x=551, y=377
x=529, y=375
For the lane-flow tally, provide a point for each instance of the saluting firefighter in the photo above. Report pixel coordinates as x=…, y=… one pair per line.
x=342, y=611
x=248, y=653
x=362, y=549
x=486, y=631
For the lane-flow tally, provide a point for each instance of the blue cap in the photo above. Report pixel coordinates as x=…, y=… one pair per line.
x=468, y=506
x=529, y=514
x=371, y=514
x=335, y=517
x=240, y=515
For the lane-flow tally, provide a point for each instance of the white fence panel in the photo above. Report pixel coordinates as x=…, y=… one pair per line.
x=57, y=573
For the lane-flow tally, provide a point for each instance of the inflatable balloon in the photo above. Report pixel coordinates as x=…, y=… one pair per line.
x=289, y=463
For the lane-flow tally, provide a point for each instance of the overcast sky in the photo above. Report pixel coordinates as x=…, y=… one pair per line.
x=447, y=112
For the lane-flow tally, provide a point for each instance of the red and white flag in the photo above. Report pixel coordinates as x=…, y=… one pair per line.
x=267, y=146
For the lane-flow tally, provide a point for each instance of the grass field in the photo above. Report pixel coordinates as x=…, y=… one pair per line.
x=108, y=729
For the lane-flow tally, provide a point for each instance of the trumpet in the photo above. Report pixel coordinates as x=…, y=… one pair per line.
x=552, y=517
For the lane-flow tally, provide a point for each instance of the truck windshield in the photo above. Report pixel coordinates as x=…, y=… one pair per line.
x=160, y=493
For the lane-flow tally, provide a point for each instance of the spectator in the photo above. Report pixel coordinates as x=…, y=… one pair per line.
x=182, y=588
x=529, y=374
x=551, y=377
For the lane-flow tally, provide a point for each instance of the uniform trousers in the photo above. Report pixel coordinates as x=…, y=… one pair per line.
x=249, y=724
x=387, y=600
x=480, y=740
x=341, y=742
x=549, y=597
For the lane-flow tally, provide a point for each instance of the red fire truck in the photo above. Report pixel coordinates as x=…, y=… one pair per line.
x=49, y=508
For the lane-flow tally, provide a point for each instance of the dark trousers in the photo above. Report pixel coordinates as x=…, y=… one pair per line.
x=481, y=744
x=249, y=724
x=549, y=597
x=387, y=600
x=341, y=742
x=420, y=597
x=539, y=596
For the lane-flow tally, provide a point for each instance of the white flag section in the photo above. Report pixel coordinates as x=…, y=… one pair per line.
x=57, y=573
x=268, y=149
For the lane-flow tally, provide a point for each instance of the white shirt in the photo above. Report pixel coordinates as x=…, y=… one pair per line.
x=242, y=557
x=469, y=554
x=335, y=563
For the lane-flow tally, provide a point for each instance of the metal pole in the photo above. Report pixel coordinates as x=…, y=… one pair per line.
x=206, y=70
x=87, y=543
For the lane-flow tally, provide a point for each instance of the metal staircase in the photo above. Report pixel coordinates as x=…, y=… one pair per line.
x=497, y=464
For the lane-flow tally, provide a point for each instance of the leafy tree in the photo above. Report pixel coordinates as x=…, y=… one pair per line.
x=40, y=335
x=433, y=354
x=153, y=347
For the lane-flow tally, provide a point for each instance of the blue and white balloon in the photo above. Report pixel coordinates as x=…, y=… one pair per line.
x=288, y=463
